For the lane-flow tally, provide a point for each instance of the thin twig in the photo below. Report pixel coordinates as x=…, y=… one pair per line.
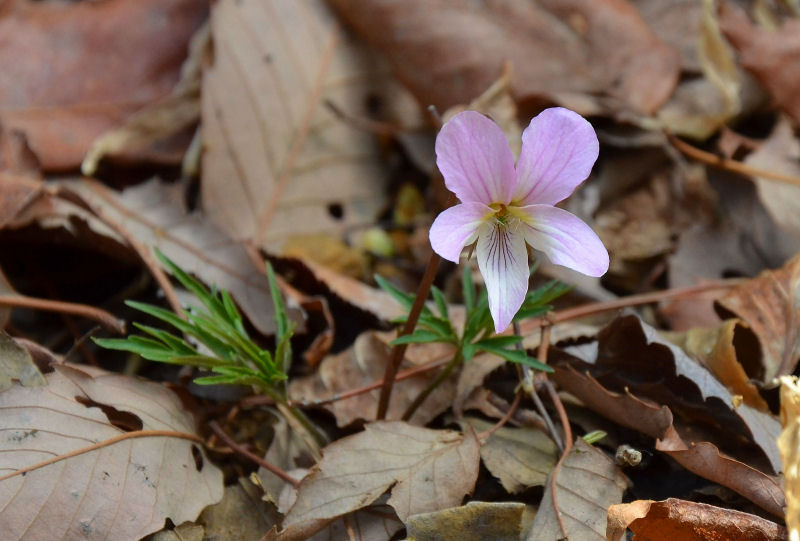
x=100, y=445
x=221, y=434
x=562, y=414
x=531, y=388
x=729, y=165
x=89, y=312
x=484, y=436
x=259, y=400
x=593, y=308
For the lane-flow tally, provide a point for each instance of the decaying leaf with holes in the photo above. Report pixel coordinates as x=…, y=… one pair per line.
x=57, y=480
x=277, y=161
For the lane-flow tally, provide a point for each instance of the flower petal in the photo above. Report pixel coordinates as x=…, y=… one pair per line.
x=503, y=262
x=559, y=148
x=474, y=157
x=566, y=239
x=456, y=227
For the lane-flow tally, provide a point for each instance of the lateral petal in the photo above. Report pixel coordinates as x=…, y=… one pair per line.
x=474, y=157
x=503, y=262
x=559, y=148
x=565, y=239
x=456, y=227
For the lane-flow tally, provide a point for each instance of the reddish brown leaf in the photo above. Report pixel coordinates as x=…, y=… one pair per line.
x=449, y=51
x=682, y=520
x=74, y=70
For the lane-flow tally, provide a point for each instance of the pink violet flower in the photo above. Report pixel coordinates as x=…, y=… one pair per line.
x=504, y=207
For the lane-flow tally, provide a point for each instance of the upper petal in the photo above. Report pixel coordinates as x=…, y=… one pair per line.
x=456, y=227
x=503, y=262
x=565, y=239
x=559, y=148
x=474, y=157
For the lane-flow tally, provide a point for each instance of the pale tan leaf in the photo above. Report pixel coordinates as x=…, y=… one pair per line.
x=519, y=457
x=425, y=469
x=789, y=444
x=153, y=213
x=675, y=519
x=499, y=521
x=16, y=364
x=277, y=161
x=587, y=483
x=124, y=490
x=370, y=523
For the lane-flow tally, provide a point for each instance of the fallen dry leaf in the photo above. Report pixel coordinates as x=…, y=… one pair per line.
x=363, y=364
x=450, y=51
x=789, y=444
x=153, y=134
x=240, y=514
x=519, y=457
x=16, y=364
x=154, y=215
x=73, y=71
x=773, y=57
x=126, y=489
x=770, y=306
x=701, y=458
x=779, y=153
x=277, y=161
x=675, y=519
x=715, y=348
x=587, y=483
x=470, y=380
x=631, y=354
x=425, y=469
x=476, y=521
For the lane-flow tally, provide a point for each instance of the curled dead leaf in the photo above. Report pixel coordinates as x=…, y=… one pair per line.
x=688, y=521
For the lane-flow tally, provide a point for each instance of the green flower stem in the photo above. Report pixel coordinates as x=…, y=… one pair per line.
x=314, y=438
x=458, y=358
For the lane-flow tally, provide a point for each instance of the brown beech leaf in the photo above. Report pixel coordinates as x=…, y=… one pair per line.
x=449, y=51
x=363, y=364
x=770, y=305
x=154, y=215
x=674, y=519
x=16, y=193
x=715, y=349
x=240, y=514
x=519, y=457
x=587, y=483
x=773, y=57
x=278, y=162
x=702, y=458
x=631, y=354
x=476, y=521
x=425, y=469
x=73, y=71
x=789, y=444
x=124, y=490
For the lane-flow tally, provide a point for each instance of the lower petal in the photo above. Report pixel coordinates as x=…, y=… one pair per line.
x=456, y=227
x=565, y=239
x=503, y=262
